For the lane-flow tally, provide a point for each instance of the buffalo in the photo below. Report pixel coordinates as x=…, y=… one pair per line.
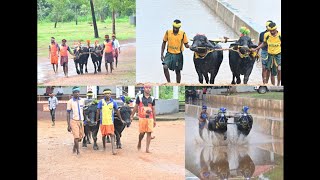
x=206, y=59
x=241, y=59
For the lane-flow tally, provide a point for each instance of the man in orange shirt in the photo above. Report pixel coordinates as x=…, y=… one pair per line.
x=145, y=105
x=108, y=47
x=64, y=56
x=173, y=59
x=54, y=54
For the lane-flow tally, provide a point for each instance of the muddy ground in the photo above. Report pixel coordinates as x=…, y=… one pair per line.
x=166, y=160
x=124, y=74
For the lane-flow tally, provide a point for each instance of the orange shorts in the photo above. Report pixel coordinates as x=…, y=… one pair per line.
x=145, y=125
x=77, y=128
x=54, y=59
x=107, y=129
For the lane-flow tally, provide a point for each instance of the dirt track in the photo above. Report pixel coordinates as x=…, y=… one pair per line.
x=166, y=160
x=124, y=74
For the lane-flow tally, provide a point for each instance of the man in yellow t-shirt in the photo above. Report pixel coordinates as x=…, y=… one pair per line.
x=173, y=59
x=273, y=40
x=105, y=110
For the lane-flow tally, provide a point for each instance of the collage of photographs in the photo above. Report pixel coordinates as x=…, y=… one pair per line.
x=141, y=89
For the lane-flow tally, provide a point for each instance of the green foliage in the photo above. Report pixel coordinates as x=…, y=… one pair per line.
x=165, y=92
x=59, y=10
x=84, y=31
x=182, y=91
x=276, y=172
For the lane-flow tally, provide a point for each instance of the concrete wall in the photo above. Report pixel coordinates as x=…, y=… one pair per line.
x=68, y=89
x=61, y=111
x=276, y=105
x=233, y=19
x=162, y=107
x=167, y=106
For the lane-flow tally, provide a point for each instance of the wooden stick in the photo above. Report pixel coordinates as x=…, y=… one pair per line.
x=223, y=40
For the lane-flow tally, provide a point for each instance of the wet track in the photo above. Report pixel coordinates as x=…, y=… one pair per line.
x=45, y=70
x=258, y=155
x=155, y=17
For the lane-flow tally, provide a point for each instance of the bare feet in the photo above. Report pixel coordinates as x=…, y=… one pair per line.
x=139, y=146
x=147, y=151
x=152, y=137
x=114, y=153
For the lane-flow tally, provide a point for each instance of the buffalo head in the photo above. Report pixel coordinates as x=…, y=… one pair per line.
x=244, y=44
x=201, y=43
x=125, y=112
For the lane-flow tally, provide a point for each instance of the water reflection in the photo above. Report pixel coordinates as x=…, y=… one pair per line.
x=214, y=163
x=235, y=162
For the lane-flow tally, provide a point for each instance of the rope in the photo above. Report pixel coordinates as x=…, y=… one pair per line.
x=198, y=55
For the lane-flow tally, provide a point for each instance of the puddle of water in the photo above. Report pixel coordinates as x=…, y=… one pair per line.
x=232, y=160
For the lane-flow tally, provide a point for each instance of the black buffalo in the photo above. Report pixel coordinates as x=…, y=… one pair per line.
x=91, y=127
x=96, y=56
x=81, y=58
x=244, y=122
x=241, y=59
x=206, y=59
x=219, y=123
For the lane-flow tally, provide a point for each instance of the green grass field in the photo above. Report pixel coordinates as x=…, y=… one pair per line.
x=268, y=95
x=83, y=31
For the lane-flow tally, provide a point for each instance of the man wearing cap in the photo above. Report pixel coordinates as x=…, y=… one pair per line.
x=145, y=105
x=52, y=103
x=264, y=56
x=173, y=59
x=273, y=40
x=106, y=108
x=64, y=56
x=76, y=105
x=108, y=47
x=54, y=54
x=203, y=120
x=116, y=48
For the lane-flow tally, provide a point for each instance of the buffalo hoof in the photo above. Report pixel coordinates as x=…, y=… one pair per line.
x=95, y=72
x=86, y=71
x=88, y=142
x=84, y=144
x=78, y=72
x=95, y=147
x=238, y=81
x=233, y=82
x=225, y=137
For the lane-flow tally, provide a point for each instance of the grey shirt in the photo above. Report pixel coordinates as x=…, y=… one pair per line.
x=53, y=102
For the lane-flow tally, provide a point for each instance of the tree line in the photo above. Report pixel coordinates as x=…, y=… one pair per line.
x=75, y=10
